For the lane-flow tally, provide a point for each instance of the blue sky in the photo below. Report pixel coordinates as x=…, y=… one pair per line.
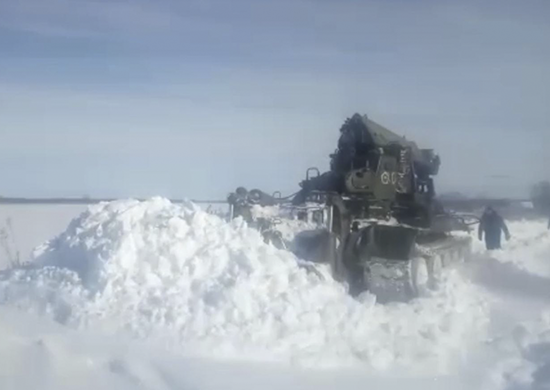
x=193, y=98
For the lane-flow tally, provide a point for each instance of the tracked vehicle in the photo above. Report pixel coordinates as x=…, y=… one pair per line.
x=381, y=226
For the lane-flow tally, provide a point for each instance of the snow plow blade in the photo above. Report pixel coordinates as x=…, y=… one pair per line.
x=387, y=242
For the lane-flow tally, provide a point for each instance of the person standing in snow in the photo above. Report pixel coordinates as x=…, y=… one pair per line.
x=492, y=225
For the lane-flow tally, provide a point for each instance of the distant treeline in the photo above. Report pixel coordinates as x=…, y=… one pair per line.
x=50, y=200
x=476, y=203
x=83, y=201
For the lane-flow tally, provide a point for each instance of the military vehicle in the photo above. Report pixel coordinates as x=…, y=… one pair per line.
x=381, y=226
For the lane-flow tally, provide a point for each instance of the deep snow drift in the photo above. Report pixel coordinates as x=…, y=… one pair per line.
x=174, y=276
x=177, y=275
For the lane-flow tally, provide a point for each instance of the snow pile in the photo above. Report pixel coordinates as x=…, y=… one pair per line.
x=525, y=357
x=180, y=275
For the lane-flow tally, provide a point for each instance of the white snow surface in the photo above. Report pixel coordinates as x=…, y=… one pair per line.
x=38, y=354
x=152, y=295
x=190, y=280
x=524, y=357
x=530, y=248
x=516, y=281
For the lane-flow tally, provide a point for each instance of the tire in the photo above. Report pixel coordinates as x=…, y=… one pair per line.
x=446, y=258
x=466, y=253
x=435, y=271
x=419, y=276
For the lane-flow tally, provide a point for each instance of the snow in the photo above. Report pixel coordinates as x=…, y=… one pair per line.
x=283, y=219
x=530, y=248
x=175, y=273
x=153, y=294
x=516, y=281
x=39, y=354
x=524, y=356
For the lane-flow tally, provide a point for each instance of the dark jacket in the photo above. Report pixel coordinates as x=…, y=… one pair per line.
x=492, y=225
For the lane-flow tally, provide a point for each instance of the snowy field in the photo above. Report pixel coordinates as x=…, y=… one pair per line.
x=24, y=226
x=152, y=295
